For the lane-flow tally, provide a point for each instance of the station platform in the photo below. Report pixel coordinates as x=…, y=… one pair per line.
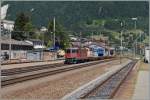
x=10, y=66
x=142, y=87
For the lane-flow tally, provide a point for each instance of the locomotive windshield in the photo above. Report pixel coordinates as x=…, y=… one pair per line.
x=72, y=51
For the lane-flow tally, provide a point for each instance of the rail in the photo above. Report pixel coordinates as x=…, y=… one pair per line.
x=108, y=88
x=8, y=80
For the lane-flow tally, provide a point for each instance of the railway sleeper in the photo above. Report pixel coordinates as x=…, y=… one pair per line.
x=107, y=89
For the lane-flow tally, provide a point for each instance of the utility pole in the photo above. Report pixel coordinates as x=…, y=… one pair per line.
x=54, y=37
x=121, y=43
x=43, y=47
x=135, y=48
x=140, y=43
x=149, y=32
x=9, y=45
x=92, y=36
x=80, y=40
x=136, y=42
x=0, y=45
x=121, y=46
x=54, y=32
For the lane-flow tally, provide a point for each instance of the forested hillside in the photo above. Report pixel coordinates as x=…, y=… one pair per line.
x=95, y=17
x=72, y=14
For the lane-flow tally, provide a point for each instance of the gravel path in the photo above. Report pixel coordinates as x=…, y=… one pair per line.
x=60, y=86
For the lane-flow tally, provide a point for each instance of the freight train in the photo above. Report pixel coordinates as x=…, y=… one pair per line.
x=80, y=55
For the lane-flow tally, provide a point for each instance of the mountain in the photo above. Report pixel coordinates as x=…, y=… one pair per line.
x=99, y=17
x=72, y=14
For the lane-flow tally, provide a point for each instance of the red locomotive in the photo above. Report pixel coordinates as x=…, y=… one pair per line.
x=75, y=55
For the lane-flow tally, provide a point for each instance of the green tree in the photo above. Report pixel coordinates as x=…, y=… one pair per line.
x=22, y=27
x=49, y=44
x=61, y=35
x=29, y=29
x=21, y=21
x=112, y=24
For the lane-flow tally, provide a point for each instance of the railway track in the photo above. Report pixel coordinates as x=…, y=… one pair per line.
x=108, y=88
x=7, y=72
x=12, y=79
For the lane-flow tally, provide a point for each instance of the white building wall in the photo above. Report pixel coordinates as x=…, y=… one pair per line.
x=16, y=54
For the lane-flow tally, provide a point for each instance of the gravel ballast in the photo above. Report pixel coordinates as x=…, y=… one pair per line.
x=56, y=88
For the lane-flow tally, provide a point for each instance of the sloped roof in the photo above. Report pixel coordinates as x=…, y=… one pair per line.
x=7, y=41
x=100, y=44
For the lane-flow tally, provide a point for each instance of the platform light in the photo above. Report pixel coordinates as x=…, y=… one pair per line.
x=134, y=18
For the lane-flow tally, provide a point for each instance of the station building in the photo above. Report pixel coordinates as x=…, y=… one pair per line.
x=7, y=25
x=13, y=49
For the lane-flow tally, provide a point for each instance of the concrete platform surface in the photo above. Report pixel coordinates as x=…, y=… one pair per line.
x=142, y=88
x=10, y=66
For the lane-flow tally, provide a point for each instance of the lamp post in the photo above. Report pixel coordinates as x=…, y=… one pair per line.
x=135, y=47
x=135, y=19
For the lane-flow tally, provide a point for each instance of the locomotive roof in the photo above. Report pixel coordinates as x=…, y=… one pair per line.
x=73, y=48
x=76, y=48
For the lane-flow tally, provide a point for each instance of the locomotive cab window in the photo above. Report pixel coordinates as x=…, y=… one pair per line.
x=68, y=51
